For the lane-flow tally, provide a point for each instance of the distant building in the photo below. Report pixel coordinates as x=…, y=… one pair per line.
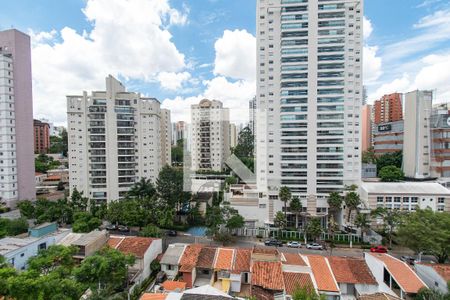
x=234, y=134
x=388, y=137
x=166, y=138
x=16, y=118
x=41, y=137
x=178, y=131
x=87, y=243
x=210, y=142
x=440, y=144
x=369, y=171
x=388, y=109
x=417, y=136
x=366, y=127
x=252, y=115
x=115, y=139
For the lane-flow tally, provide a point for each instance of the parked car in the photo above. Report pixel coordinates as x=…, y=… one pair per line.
x=111, y=227
x=172, y=233
x=273, y=242
x=408, y=259
x=123, y=228
x=294, y=244
x=314, y=246
x=160, y=277
x=379, y=249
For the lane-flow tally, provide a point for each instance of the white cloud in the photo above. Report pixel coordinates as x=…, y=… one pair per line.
x=371, y=64
x=173, y=81
x=367, y=27
x=236, y=55
x=128, y=38
x=400, y=85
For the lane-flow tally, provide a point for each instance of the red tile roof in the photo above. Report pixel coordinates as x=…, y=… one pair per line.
x=292, y=259
x=322, y=273
x=206, y=257
x=443, y=270
x=351, y=270
x=242, y=261
x=261, y=293
x=378, y=296
x=268, y=274
x=271, y=251
x=170, y=285
x=224, y=259
x=136, y=246
x=402, y=273
x=151, y=296
x=189, y=258
x=292, y=281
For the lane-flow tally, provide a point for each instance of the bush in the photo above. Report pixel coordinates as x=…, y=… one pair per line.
x=150, y=231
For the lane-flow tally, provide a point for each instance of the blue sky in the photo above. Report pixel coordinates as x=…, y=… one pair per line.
x=183, y=50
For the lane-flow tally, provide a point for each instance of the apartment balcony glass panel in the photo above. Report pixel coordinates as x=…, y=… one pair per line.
x=296, y=17
x=330, y=157
x=292, y=117
x=332, y=23
x=330, y=108
x=337, y=40
x=289, y=9
x=329, y=149
x=330, y=116
x=326, y=32
x=332, y=15
x=330, y=91
x=294, y=42
x=294, y=101
x=294, y=108
x=331, y=6
x=292, y=166
x=330, y=141
x=330, y=124
x=331, y=49
x=331, y=66
x=294, y=76
x=293, y=133
x=330, y=133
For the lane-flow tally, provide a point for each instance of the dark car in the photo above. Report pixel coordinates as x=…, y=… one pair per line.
x=273, y=242
x=408, y=259
x=379, y=249
x=172, y=233
x=160, y=277
x=111, y=227
x=123, y=228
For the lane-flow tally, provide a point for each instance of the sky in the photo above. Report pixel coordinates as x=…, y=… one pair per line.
x=181, y=51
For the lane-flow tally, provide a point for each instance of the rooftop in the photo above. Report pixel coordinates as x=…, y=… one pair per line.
x=401, y=272
x=189, y=258
x=322, y=273
x=151, y=296
x=443, y=270
x=294, y=280
x=378, y=296
x=351, y=270
x=224, y=259
x=405, y=188
x=87, y=238
x=170, y=285
x=242, y=261
x=268, y=274
x=292, y=259
x=206, y=257
x=9, y=244
x=131, y=245
x=173, y=254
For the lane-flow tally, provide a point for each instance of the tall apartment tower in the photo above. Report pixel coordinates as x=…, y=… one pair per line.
x=417, y=135
x=252, y=115
x=16, y=118
x=178, y=131
x=210, y=141
x=41, y=137
x=234, y=134
x=166, y=138
x=309, y=95
x=114, y=140
x=388, y=109
x=366, y=127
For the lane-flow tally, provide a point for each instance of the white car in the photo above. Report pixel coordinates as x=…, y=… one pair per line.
x=294, y=244
x=314, y=246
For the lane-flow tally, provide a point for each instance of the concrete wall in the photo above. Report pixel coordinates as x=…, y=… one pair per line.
x=377, y=269
x=151, y=254
x=431, y=277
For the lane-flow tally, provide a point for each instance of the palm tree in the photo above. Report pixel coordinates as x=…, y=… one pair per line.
x=362, y=221
x=285, y=195
x=296, y=208
x=142, y=189
x=352, y=201
x=334, y=202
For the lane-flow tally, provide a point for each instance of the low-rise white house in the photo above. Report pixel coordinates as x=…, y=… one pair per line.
x=170, y=261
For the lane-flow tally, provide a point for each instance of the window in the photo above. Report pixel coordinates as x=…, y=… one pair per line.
x=380, y=199
x=441, y=200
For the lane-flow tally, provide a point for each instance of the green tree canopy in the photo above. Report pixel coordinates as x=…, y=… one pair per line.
x=55, y=257
x=85, y=222
x=390, y=159
x=285, y=195
x=144, y=188
x=363, y=221
x=352, y=201
x=391, y=220
x=313, y=229
x=245, y=146
x=280, y=220
x=151, y=231
x=334, y=202
x=306, y=294
x=12, y=227
x=296, y=208
x=391, y=174
x=427, y=231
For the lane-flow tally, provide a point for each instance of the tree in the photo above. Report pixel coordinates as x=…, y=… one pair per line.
x=390, y=159
x=106, y=270
x=285, y=195
x=26, y=208
x=60, y=186
x=314, y=228
x=78, y=201
x=280, y=220
x=352, y=201
x=362, y=221
x=85, y=222
x=426, y=231
x=177, y=153
x=150, y=231
x=142, y=189
x=245, y=146
x=55, y=257
x=391, y=174
x=306, y=293
x=13, y=227
x=296, y=208
x=368, y=156
x=234, y=222
x=334, y=202
x=169, y=186
x=391, y=219
x=431, y=294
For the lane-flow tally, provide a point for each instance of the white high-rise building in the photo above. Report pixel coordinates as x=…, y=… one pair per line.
x=115, y=138
x=234, y=135
x=166, y=138
x=309, y=95
x=16, y=119
x=210, y=142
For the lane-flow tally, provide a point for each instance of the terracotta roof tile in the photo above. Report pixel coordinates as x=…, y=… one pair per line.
x=402, y=273
x=378, y=296
x=268, y=274
x=443, y=270
x=152, y=296
x=189, y=258
x=351, y=270
x=242, y=261
x=259, y=250
x=206, y=257
x=293, y=281
x=262, y=294
x=292, y=259
x=322, y=273
x=131, y=245
x=170, y=285
x=224, y=259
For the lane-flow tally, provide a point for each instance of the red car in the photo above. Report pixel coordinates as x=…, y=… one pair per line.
x=379, y=249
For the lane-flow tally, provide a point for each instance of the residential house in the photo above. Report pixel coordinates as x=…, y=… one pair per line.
x=205, y=266
x=170, y=261
x=378, y=296
x=222, y=270
x=435, y=276
x=326, y=282
x=205, y=292
x=188, y=262
x=144, y=249
x=296, y=273
x=267, y=280
x=240, y=274
x=86, y=243
x=393, y=276
x=173, y=286
x=353, y=277
x=17, y=250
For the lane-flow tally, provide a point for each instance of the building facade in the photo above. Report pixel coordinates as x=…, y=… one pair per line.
x=440, y=144
x=234, y=134
x=309, y=95
x=417, y=135
x=178, y=131
x=114, y=140
x=388, y=137
x=16, y=118
x=388, y=109
x=366, y=127
x=210, y=141
x=166, y=138
x=41, y=137
x=252, y=115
